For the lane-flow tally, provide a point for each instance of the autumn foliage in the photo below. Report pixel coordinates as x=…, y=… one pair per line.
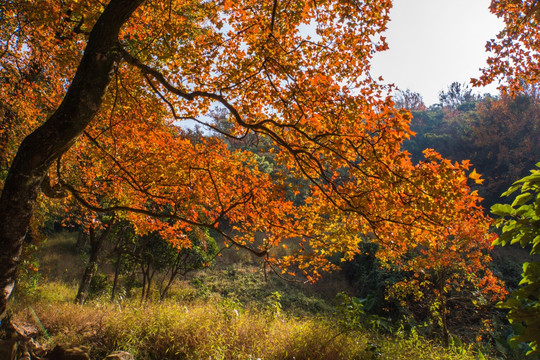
x=515, y=54
x=292, y=74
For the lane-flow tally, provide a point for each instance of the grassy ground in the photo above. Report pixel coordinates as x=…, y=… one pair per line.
x=214, y=328
x=228, y=312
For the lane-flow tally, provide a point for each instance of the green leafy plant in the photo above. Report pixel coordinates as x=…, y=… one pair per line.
x=520, y=223
x=353, y=313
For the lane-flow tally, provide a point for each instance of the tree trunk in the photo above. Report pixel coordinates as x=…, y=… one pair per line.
x=96, y=243
x=116, y=273
x=164, y=291
x=48, y=142
x=441, y=279
x=149, y=283
x=119, y=250
x=445, y=334
x=179, y=261
x=143, y=270
x=89, y=272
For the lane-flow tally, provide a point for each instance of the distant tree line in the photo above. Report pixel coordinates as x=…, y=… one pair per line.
x=499, y=135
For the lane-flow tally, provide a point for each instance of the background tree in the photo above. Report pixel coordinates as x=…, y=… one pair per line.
x=506, y=142
x=457, y=94
x=410, y=100
x=156, y=257
x=97, y=239
x=498, y=135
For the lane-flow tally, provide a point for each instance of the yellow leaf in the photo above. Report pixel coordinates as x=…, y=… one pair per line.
x=476, y=177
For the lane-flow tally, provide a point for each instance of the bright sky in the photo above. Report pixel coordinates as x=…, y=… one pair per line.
x=434, y=43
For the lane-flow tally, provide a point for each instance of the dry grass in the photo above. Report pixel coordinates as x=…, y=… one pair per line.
x=227, y=313
x=215, y=329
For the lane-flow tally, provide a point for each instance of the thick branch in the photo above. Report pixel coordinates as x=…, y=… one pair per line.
x=42, y=147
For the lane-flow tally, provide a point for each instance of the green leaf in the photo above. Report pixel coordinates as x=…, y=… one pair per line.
x=481, y=356
x=522, y=199
x=502, y=209
x=523, y=226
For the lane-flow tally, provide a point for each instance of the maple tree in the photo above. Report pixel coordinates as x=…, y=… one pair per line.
x=448, y=268
x=515, y=58
x=100, y=123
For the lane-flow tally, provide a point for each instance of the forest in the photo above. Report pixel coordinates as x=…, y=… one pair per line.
x=192, y=179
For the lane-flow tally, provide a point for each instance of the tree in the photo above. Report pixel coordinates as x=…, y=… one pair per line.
x=456, y=95
x=448, y=268
x=45, y=144
x=156, y=256
x=505, y=140
x=96, y=244
x=514, y=59
x=520, y=224
x=498, y=136
x=111, y=140
x=410, y=100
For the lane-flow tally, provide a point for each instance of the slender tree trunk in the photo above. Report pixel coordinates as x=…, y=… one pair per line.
x=149, y=283
x=89, y=272
x=180, y=259
x=116, y=273
x=96, y=244
x=48, y=142
x=441, y=278
x=445, y=334
x=119, y=249
x=144, y=282
x=166, y=289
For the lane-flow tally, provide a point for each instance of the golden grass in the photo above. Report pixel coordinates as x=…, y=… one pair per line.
x=216, y=329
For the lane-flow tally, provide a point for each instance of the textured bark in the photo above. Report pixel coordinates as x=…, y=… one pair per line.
x=42, y=147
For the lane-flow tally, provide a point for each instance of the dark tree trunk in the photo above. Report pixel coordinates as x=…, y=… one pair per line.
x=441, y=279
x=116, y=273
x=119, y=249
x=84, y=286
x=179, y=261
x=96, y=244
x=43, y=146
x=445, y=334
x=163, y=292
x=148, y=274
x=143, y=270
x=149, y=283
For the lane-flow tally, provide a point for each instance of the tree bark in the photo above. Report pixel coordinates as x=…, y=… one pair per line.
x=48, y=142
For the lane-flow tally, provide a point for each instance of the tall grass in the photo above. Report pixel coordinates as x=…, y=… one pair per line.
x=215, y=328
x=223, y=313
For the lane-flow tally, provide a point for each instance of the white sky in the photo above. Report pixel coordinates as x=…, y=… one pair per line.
x=434, y=43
